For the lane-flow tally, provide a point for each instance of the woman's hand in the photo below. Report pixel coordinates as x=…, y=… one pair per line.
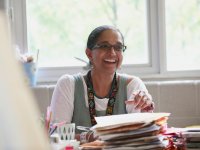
x=142, y=101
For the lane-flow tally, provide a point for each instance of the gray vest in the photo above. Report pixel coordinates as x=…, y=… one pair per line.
x=81, y=115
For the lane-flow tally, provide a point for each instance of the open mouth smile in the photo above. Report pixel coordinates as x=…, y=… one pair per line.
x=110, y=60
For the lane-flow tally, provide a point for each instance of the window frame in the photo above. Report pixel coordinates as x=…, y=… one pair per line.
x=155, y=70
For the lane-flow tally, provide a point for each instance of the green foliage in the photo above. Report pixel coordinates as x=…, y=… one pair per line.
x=60, y=28
x=182, y=28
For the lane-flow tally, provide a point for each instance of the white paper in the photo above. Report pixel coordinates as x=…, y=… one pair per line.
x=127, y=119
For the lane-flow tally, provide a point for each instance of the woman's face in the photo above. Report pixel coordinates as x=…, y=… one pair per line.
x=107, y=55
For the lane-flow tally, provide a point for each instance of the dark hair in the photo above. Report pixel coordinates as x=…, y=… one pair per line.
x=95, y=34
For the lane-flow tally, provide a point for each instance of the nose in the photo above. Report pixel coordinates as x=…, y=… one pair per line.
x=112, y=50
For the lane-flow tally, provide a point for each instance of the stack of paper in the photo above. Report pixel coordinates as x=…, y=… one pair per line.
x=139, y=131
x=192, y=136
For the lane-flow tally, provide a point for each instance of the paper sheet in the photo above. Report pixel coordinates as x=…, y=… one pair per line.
x=114, y=121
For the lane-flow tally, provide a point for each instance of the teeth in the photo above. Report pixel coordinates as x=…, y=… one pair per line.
x=110, y=60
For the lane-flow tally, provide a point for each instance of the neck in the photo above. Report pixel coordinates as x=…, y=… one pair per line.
x=101, y=83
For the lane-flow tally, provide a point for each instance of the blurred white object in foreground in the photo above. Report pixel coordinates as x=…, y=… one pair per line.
x=19, y=115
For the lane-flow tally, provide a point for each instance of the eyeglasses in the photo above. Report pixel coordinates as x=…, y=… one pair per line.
x=107, y=47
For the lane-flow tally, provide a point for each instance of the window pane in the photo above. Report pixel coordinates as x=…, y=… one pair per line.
x=59, y=28
x=182, y=33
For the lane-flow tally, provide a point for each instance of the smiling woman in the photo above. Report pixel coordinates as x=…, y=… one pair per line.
x=102, y=91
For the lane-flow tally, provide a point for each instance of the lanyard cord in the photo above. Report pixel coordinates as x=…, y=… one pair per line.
x=91, y=93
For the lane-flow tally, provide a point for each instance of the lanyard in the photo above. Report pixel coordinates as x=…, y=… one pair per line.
x=91, y=93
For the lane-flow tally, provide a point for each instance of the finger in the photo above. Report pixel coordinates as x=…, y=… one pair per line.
x=146, y=103
x=132, y=102
x=149, y=108
x=141, y=102
x=134, y=99
x=138, y=98
x=142, y=93
x=137, y=94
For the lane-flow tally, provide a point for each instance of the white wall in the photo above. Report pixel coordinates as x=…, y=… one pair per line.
x=180, y=98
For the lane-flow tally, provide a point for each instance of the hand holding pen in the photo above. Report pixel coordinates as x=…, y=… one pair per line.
x=141, y=101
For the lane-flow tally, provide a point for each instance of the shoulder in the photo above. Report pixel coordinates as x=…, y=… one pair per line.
x=130, y=78
x=66, y=79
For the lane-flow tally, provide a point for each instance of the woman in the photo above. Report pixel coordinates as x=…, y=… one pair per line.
x=102, y=91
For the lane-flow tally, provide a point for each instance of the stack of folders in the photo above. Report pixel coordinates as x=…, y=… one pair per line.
x=192, y=138
x=139, y=131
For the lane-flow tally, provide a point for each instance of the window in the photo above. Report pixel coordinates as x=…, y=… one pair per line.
x=60, y=29
x=182, y=35
x=161, y=36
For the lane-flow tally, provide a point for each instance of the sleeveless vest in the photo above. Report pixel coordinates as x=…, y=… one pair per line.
x=81, y=115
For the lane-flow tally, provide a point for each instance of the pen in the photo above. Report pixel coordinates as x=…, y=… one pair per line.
x=53, y=130
x=83, y=128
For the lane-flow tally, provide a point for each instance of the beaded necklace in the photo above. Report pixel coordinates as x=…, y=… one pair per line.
x=91, y=93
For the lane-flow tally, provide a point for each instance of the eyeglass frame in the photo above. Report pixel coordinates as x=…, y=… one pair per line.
x=99, y=46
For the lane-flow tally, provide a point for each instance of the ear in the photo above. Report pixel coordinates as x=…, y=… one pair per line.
x=88, y=53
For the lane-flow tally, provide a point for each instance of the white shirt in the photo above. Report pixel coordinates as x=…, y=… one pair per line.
x=62, y=103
